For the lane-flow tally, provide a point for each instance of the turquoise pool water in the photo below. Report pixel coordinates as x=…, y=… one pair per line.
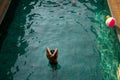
x=88, y=50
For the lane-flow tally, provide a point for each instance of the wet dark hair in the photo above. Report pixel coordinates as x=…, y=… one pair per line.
x=52, y=51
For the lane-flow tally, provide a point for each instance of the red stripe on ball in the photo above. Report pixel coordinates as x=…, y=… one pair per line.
x=112, y=23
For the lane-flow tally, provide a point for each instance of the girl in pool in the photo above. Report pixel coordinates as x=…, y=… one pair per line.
x=52, y=56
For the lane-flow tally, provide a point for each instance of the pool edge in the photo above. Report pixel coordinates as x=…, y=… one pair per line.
x=114, y=6
x=4, y=5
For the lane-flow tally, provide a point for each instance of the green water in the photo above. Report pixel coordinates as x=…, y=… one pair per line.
x=88, y=50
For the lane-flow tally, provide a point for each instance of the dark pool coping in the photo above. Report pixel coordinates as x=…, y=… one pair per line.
x=4, y=4
x=114, y=6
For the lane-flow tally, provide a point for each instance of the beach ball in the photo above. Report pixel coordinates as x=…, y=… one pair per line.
x=110, y=21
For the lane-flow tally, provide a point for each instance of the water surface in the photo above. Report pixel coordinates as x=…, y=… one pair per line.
x=86, y=46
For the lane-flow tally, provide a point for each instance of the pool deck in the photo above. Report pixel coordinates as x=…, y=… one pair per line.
x=4, y=4
x=114, y=6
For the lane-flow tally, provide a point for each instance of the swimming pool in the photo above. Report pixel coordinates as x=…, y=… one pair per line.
x=87, y=48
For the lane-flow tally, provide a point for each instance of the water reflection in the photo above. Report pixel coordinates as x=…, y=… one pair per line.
x=40, y=21
x=107, y=41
